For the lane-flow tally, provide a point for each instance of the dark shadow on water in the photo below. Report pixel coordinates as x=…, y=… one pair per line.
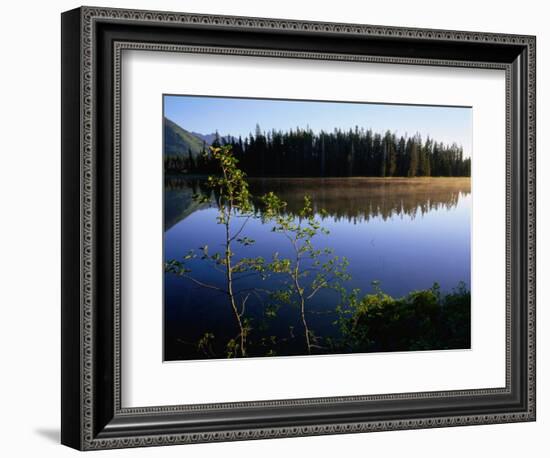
x=52, y=435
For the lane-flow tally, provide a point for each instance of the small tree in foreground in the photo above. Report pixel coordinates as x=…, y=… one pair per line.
x=308, y=270
x=234, y=211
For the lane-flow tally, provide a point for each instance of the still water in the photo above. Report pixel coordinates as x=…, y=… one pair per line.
x=405, y=234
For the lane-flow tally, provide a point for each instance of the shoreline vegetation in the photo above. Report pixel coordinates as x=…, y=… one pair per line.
x=366, y=322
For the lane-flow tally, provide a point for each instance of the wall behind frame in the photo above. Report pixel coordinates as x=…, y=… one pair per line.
x=30, y=240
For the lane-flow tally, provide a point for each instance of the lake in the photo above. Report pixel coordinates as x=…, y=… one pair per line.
x=404, y=233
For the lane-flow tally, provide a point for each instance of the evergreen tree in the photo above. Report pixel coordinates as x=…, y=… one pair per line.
x=190, y=162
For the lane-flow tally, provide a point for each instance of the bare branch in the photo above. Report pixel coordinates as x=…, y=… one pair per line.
x=244, y=303
x=240, y=230
x=242, y=277
x=204, y=285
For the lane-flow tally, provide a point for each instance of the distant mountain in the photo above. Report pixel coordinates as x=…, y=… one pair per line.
x=178, y=141
x=208, y=138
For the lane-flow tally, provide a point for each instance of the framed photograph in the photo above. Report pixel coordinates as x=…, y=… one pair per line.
x=277, y=228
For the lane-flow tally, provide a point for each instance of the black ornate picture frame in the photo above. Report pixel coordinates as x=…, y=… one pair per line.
x=92, y=42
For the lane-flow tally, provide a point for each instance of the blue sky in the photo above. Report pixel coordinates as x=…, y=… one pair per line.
x=237, y=116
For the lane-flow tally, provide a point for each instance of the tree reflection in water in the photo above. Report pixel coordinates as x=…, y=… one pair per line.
x=353, y=199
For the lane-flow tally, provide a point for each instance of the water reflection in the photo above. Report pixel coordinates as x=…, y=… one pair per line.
x=354, y=200
x=405, y=234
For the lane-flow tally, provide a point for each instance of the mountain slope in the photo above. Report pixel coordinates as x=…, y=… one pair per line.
x=178, y=141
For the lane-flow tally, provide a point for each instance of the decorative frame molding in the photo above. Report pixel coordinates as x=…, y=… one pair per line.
x=93, y=40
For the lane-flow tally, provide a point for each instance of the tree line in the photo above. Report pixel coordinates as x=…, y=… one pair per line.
x=355, y=152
